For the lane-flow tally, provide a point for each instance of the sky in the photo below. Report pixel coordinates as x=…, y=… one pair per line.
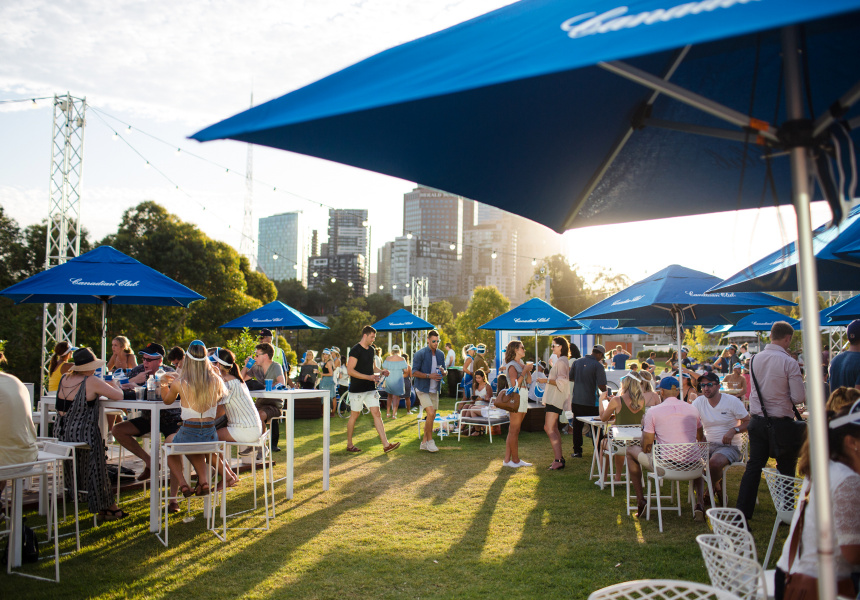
x=167, y=69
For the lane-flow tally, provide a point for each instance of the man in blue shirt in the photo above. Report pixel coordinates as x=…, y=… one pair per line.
x=588, y=376
x=845, y=368
x=428, y=368
x=620, y=359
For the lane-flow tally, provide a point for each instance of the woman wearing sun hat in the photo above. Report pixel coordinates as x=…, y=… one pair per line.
x=78, y=421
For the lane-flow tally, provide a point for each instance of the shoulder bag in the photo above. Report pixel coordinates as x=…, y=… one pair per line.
x=508, y=399
x=790, y=434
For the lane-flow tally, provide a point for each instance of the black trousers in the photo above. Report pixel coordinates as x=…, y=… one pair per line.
x=786, y=462
x=580, y=410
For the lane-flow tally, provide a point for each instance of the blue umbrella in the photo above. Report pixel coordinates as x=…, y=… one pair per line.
x=837, y=260
x=760, y=319
x=402, y=320
x=101, y=276
x=535, y=315
x=274, y=315
x=612, y=113
x=842, y=313
x=598, y=327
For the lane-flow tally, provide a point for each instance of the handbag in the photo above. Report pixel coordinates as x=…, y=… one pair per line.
x=508, y=399
x=792, y=432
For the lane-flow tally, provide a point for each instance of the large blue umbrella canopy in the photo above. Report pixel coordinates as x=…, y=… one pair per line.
x=598, y=327
x=842, y=313
x=760, y=319
x=528, y=103
x=102, y=276
x=676, y=291
x=837, y=260
x=534, y=315
x=402, y=320
x=274, y=315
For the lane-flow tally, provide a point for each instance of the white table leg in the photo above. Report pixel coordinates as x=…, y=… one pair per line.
x=43, y=482
x=326, y=436
x=291, y=443
x=17, y=509
x=154, y=487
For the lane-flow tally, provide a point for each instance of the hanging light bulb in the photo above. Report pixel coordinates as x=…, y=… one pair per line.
x=275, y=256
x=409, y=235
x=493, y=255
x=333, y=279
x=115, y=136
x=453, y=246
x=296, y=267
x=146, y=166
x=394, y=287
x=349, y=284
x=534, y=261
x=316, y=274
x=129, y=129
x=178, y=150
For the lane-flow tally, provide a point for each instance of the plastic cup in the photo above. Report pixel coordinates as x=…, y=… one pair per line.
x=250, y=363
x=139, y=391
x=268, y=385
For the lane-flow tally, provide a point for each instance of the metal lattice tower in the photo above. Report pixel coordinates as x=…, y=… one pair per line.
x=246, y=245
x=420, y=302
x=64, y=216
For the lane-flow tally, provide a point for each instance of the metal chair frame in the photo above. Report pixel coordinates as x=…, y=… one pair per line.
x=676, y=463
x=730, y=571
x=784, y=491
x=661, y=589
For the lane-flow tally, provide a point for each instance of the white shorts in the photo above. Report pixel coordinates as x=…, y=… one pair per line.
x=246, y=435
x=428, y=400
x=358, y=400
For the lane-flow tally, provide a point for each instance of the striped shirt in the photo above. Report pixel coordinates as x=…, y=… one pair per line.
x=240, y=408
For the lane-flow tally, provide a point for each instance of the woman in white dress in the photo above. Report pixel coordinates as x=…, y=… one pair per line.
x=556, y=392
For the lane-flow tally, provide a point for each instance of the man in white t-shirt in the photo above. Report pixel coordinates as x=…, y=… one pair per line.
x=724, y=418
x=450, y=356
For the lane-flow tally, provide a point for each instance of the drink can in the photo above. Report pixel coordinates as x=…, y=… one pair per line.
x=268, y=385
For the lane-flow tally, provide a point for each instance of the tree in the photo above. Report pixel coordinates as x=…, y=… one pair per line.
x=293, y=293
x=487, y=303
x=699, y=343
x=569, y=291
x=382, y=305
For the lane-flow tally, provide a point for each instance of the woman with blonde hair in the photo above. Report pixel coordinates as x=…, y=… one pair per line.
x=469, y=352
x=200, y=389
x=627, y=408
x=308, y=372
x=652, y=398
x=60, y=364
x=327, y=380
x=517, y=375
x=842, y=397
x=123, y=356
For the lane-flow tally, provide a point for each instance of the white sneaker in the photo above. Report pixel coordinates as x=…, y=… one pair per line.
x=423, y=446
x=431, y=446
x=523, y=463
x=512, y=465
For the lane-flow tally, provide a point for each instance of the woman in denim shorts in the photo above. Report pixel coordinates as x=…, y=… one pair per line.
x=200, y=389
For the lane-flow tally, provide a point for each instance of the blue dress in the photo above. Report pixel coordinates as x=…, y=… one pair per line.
x=394, y=381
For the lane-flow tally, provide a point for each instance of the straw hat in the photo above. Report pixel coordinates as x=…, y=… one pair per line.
x=85, y=360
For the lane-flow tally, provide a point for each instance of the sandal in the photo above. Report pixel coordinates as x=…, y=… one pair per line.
x=173, y=507
x=355, y=449
x=112, y=515
x=202, y=489
x=640, y=509
x=231, y=483
x=186, y=491
x=557, y=465
x=391, y=447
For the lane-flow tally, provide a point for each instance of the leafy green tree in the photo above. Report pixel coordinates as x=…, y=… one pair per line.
x=569, y=291
x=699, y=343
x=487, y=303
x=381, y=305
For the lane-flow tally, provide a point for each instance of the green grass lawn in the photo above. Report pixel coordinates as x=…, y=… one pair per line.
x=409, y=524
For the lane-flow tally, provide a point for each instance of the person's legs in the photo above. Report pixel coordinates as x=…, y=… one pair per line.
x=759, y=453
x=512, y=442
x=550, y=426
x=396, y=405
x=634, y=469
x=125, y=434
x=380, y=426
x=350, y=426
x=224, y=436
x=716, y=464
x=580, y=410
x=429, y=415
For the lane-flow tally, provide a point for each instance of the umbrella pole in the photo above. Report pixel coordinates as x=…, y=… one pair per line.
x=680, y=344
x=389, y=342
x=104, y=327
x=808, y=286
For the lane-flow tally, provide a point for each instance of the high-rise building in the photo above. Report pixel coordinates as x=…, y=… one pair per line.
x=383, y=267
x=345, y=256
x=416, y=257
x=282, y=246
x=480, y=268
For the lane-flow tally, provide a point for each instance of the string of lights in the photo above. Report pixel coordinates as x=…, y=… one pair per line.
x=128, y=128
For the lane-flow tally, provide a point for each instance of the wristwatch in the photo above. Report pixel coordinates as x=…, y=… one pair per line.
x=737, y=429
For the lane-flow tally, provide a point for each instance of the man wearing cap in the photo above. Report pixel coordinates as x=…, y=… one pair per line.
x=776, y=376
x=279, y=357
x=736, y=382
x=845, y=368
x=428, y=369
x=169, y=419
x=724, y=418
x=588, y=377
x=671, y=422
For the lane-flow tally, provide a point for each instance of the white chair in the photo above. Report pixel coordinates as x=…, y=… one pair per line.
x=212, y=449
x=268, y=478
x=615, y=447
x=745, y=454
x=18, y=473
x=731, y=523
x=730, y=571
x=661, y=589
x=60, y=452
x=494, y=417
x=147, y=442
x=677, y=463
x=784, y=490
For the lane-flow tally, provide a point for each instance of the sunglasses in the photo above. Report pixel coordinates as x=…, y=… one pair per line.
x=704, y=385
x=151, y=359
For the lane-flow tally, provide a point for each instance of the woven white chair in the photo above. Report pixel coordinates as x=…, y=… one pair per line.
x=784, y=490
x=263, y=444
x=730, y=571
x=677, y=463
x=661, y=589
x=211, y=449
x=19, y=473
x=731, y=523
x=745, y=455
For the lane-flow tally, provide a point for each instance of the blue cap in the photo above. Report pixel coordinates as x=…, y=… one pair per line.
x=667, y=383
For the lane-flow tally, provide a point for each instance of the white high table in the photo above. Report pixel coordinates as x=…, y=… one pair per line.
x=289, y=397
x=155, y=409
